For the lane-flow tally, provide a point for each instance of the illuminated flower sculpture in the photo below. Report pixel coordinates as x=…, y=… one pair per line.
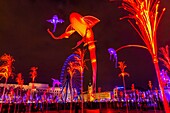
x=80, y=66
x=19, y=80
x=146, y=16
x=83, y=26
x=165, y=59
x=6, y=68
x=71, y=70
x=33, y=74
x=122, y=67
x=5, y=71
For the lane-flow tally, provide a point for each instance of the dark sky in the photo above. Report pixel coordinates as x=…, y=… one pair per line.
x=23, y=35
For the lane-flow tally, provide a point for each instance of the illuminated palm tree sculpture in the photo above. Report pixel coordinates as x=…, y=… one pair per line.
x=20, y=82
x=5, y=71
x=33, y=74
x=71, y=70
x=165, y=59
x=147, y=18
x=122, y=67
x=81, y=65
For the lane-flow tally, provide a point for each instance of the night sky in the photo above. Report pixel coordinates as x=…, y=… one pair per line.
x=23, y=35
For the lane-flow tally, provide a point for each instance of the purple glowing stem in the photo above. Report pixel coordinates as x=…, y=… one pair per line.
x=54, y=21
x=113, y=55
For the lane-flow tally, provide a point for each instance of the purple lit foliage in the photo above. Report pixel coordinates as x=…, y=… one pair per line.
x=113, y=56
x=54, y=21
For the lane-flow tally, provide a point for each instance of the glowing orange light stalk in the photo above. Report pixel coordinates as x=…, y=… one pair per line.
x=33, y=74
x=80, y=65
x=5, y=71
x=165, y=56
x=145, y=13
x=71, y=71
x=122, y=67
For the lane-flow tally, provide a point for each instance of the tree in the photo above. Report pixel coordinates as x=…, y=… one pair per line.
x=165, y=56
x=122, y=67
x=80, y=66
x=5, y=71
x=33, y=74
x=71, y=70
x=20, y=82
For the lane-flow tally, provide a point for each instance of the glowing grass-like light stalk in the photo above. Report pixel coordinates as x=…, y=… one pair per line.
x=165, y=56
x=81, y=65
x=20, y=82
x=122, y=67
x=71, y=71
x=146, y=16
x=33, y=74
x=5, y=72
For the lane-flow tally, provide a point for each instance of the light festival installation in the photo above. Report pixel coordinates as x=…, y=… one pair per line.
x=80, y=66
x=66, y=80
x=6, y=71
x=122, y=67
x=55, y=20
x=83, y=25
x=164, y=78
x=147, y=18
x=113, y=52
x=165, y=59
x=113, y=55
x=33, y=74
x=55, y=81
x=20, y=82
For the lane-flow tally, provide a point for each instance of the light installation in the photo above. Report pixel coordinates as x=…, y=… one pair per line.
x=65, y=78
x=80, y=66
x=55, y=20
x=122, y=67
x=165, y=78
x=55, y=81
x=165, y=56
x=33, y=74
x=113, y=55
x=147, y=18
x=83, y=26
x=6, y=71
x=113, y=52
